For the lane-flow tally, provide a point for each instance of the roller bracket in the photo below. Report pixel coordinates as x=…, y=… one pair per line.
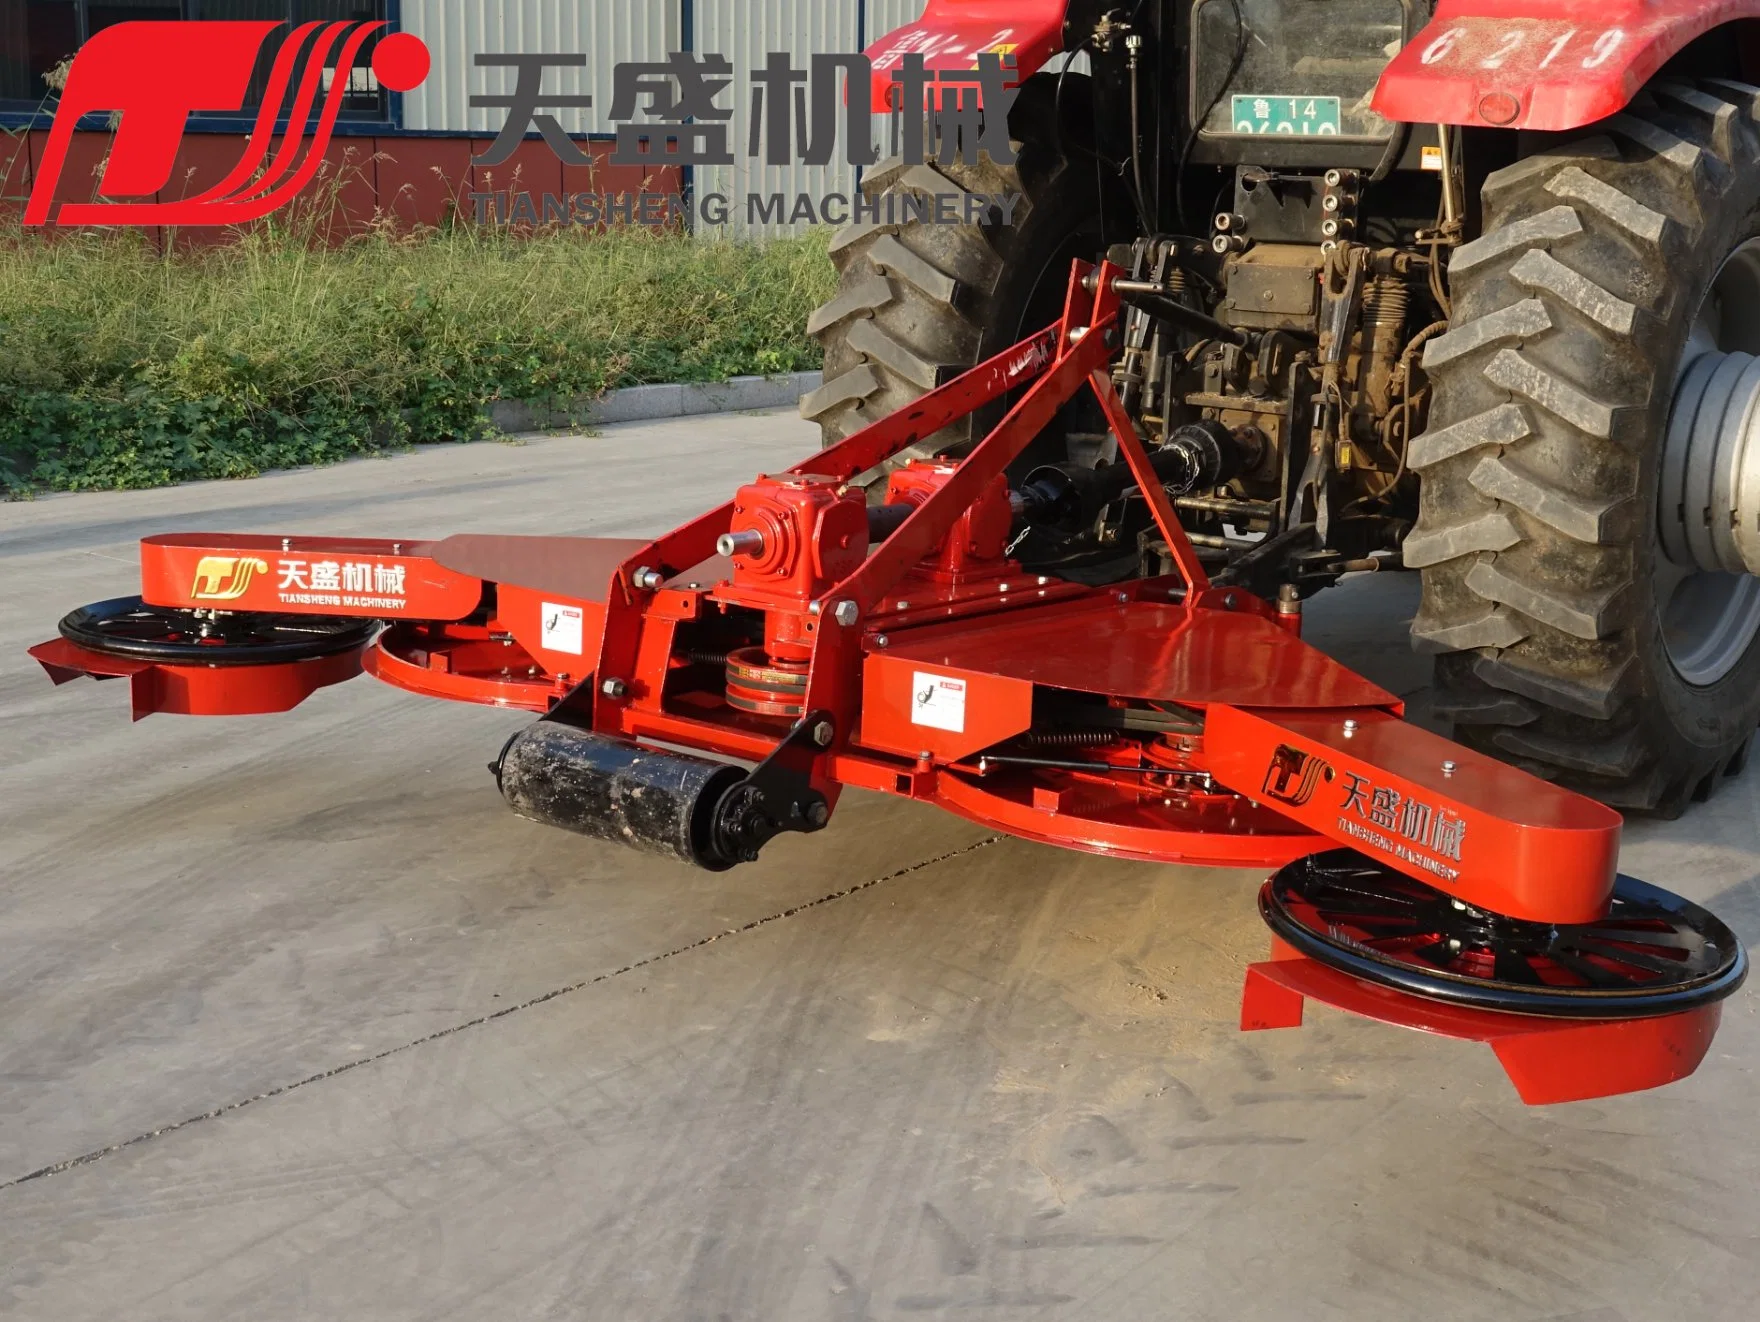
x=777, y=796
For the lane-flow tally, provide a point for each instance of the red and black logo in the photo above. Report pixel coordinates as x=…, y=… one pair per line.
x=1293, y=775
x=154, y=75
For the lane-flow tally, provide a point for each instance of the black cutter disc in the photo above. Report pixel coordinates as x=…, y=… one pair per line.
x=1654, y=953
x=125, y=626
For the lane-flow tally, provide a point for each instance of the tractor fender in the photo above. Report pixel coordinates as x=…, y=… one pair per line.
x=951, y=35
x=1551, y=65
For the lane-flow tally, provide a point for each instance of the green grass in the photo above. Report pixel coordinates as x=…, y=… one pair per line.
x=121, y=368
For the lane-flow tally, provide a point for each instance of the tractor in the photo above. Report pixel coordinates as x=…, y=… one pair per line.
x=1472, y=291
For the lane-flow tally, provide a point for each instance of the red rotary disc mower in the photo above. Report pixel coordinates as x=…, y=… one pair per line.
x=896, y=647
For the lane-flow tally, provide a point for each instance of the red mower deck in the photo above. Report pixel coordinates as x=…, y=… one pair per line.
x=897, y=648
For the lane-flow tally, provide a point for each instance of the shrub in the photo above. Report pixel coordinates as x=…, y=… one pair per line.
x=120, y=367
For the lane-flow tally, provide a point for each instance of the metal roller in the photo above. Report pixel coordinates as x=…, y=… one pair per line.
x=609, y=789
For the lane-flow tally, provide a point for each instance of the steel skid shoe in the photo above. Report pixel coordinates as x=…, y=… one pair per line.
x=1624, y=1002
x=206, y=662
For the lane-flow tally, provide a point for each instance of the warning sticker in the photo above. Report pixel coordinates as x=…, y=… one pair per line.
x=562, y=628
x=938, y=702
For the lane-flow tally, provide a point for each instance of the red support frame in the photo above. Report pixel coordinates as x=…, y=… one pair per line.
x=1052, y=366
x=1185, y=559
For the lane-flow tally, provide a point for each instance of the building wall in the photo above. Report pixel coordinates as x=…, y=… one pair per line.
x=746, y=31
x=404, y=179
x=610, y=32
x=607, y=32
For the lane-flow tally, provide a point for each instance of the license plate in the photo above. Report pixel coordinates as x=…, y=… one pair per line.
x=1298, y=116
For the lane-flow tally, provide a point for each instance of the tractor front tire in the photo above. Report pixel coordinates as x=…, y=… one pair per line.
x=1562, y=643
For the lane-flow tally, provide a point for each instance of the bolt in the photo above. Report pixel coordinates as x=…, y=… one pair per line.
x=1043, y=580
x=1329, y=202
x=846, y=613
x=814, y=607
x=903, y=606
x=818, y=814
x=1449, y=768
x=397, y=548
x=614, y=688
x=1458, y=904
x=1229, y=601
x=1329, y=228
x=648, y=580
x=924, y=755
x=1350, y=728
x=1333, y=178
x=881, y=640
x=1454, y=943
x=287, y=543
x=1079, y=334
x=1122, y=597
x=822, y=733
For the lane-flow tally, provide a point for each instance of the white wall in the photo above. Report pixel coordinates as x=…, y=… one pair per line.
x=607, y=32
x=610, y=32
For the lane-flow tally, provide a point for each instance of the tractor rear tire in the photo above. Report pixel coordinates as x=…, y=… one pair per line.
x=1544, y=582
x=916, y=303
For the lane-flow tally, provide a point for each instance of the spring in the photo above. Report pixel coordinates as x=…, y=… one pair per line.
x=704, y=656
x=1175, y=282
x=1069, y=738
x=1384, y=303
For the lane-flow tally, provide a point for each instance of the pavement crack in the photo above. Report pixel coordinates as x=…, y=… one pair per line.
x=98, y=1154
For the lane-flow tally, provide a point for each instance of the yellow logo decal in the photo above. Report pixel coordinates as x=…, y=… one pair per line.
x=225, y=577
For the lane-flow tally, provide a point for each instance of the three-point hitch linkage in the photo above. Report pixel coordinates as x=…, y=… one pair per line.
x=896, y=647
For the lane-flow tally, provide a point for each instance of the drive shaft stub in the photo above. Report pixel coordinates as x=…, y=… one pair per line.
x=1653, y=953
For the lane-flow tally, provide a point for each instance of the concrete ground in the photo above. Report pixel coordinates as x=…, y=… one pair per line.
x=298, y=1021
